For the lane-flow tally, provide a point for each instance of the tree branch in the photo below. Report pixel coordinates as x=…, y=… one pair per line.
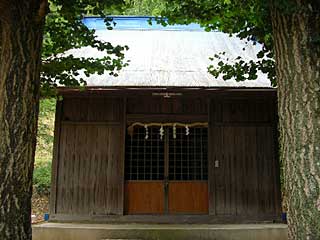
x=43, y=10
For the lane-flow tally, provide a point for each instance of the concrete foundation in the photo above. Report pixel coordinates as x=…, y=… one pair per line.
x=80, y=231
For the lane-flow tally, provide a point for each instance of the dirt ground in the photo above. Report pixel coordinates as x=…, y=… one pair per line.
x=40, y=206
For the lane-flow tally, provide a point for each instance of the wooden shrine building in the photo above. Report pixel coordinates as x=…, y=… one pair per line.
x=165, y=141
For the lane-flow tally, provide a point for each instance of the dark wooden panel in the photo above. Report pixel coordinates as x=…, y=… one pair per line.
x=246, y=111
x=91, y=158
x=186, y=118
x=90, y=174
x=246, y=179
x=269, y=198
x=75, y=109
x=105, y=109
x=188, y=197
x=215, y=154
x=144, y=197
x=92, y=109
x=161, y=105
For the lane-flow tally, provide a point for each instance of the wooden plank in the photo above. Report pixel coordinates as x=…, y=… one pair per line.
x=220, y=171
x=276, y=164
x=115, y=172
x=55, y=157
x=271, y=203
x=246, y=111
x=91, y=132
x=216, y=155
x=75, y=109
x=173, y=105
x=166, y=171
x=242, y=124
x=105, y=109
x=65, y=156
x=187, y=118
x=263, y=193
x=211, y=157
x=233, y=172
x=252, y=164
x=144, y=197
x=226, y=170
x=215, y=142
x=100, y=179
x=82, y=154
x=268, y=199
x=188, y=197
x=91, y=123
x=123, y=153
x=92, y=109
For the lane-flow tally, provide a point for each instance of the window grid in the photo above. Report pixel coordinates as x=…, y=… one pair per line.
x=187, y=155
x=144, y=157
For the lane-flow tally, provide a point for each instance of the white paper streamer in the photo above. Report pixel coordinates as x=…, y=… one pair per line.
x=147, y=132
x=161, y=132
x=187, y=130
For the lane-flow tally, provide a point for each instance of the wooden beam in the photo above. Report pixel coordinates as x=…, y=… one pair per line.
x=55, y=158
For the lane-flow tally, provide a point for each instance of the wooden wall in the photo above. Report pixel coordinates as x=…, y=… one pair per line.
x=88, y=166
x=159, y=105
x=89, y=159
x=160, y=109
x=243, y=164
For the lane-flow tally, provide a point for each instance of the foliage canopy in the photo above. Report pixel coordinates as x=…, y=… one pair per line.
x=64, y=30
x=248, y=20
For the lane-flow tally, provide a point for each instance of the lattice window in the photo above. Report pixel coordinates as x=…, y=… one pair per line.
x=188, y=154
x=144, y=157
x=187, y=157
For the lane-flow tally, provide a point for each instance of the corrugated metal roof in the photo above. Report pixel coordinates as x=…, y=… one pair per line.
x=137, y=23
x=171, y=58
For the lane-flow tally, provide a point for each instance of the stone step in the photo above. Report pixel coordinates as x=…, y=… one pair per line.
x=78, y=231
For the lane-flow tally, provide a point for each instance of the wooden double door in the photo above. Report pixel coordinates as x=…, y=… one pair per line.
x=166, y=173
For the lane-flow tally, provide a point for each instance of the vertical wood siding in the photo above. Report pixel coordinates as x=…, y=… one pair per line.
x=161, y=105
x=89, y=152
x=242, y=138
x=90, y=161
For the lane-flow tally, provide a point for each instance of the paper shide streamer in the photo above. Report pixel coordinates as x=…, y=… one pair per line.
x=174, y=126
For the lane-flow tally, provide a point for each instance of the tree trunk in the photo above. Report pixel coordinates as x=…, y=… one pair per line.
x=21, y=30
x=297, y=47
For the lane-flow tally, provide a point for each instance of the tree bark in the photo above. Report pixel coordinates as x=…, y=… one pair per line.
x=296, y=35
x=21, y=30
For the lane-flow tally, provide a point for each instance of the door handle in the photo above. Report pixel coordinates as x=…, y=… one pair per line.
x=166, y=182
x=216, y=164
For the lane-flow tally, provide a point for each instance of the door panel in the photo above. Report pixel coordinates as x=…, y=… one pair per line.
x=245, y=179
x=144, y=197
x=188, y=197
x=166, y=175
